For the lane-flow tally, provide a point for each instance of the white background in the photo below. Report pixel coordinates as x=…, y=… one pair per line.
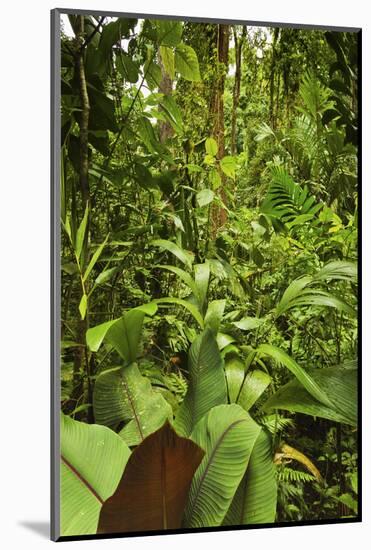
x=24, y=269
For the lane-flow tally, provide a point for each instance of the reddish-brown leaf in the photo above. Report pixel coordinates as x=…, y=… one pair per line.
x=154, y=486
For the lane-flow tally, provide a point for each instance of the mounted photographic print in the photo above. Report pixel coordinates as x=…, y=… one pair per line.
x=205, y=214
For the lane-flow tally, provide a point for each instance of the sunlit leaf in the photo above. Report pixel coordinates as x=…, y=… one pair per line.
x=228, y=435
x=228, y=166
x=207, y=387
x=211, y=146
x=122, y=394
x=255, y=383
x=256, y=498
x=186, y=62
x=92, y=461
x=205, y=197
x=123, y=334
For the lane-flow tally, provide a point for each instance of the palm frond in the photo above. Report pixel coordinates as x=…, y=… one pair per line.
x=287, y=201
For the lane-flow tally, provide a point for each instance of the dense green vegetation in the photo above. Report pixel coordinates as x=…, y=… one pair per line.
x=209, y=253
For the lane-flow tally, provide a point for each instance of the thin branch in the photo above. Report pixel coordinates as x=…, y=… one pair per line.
x=91, y=36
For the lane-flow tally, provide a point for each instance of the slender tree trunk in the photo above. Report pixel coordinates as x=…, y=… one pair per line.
x=272, y=78
x=81, y=366
x=238, y=45
x=84, y=115
x=166, y=88
x=219, y=214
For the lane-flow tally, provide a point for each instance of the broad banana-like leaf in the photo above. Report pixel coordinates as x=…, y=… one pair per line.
x=339, y=383
x=254, y=384
x=207, y=387
x=123, y=334
x=235, y=374
x=202, y=277
x=256, y=498
x=122, y=394
x=92, y=461
x=154, y=487
x=223, y=340
x=228, y=435
x=302, y=375
x=214, y=315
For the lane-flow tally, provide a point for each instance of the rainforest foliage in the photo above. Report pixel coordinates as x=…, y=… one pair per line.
x=209, y=275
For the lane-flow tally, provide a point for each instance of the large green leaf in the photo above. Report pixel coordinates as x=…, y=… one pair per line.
x=307, y=381
x=256, y=498
x=124, y=395
x=154, y=487
x=211, y=146
x=254, y=384
x=127, y=67
x=340, y=384
x=228, y=165
x=205, y=197
x=92, y=461
x=102, y=110
x=202, y=277
x=207, y=387
x=113, y=32
x=169, y=33
x=186, y=62
x=214, y=314
x=123, y=334
x=227, y=434
x=235, y=374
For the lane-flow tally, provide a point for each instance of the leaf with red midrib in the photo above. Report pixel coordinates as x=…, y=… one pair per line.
x=154, y=487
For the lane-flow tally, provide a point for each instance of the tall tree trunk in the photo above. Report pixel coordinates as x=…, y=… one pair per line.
x=238, y=45
x=219, y=214
x=84, y=115
x=166, y=88
x=81, y=366
x=272, y=78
